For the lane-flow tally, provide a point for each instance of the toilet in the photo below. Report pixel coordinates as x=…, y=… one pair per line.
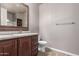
x=42, y=46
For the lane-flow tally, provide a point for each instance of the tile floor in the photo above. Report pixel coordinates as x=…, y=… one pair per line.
x=49, y=52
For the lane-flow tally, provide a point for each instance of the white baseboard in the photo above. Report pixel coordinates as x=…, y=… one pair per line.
x=65, y=52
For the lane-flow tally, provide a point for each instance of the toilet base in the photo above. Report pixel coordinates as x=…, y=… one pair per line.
x=42, y=46
x=42, y=49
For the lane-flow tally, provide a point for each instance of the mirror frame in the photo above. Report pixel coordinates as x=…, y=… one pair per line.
x=17, y=28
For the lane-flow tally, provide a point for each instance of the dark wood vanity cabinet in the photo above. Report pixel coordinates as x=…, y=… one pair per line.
x=24, y=46
x=28, y=46
x=8, y=48
x=34, y=45
x=1, y=51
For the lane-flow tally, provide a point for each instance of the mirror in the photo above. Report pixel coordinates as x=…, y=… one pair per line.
x=13, y=14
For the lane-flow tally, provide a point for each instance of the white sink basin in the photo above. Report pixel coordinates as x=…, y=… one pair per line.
x=24, y=34
x=16, y=35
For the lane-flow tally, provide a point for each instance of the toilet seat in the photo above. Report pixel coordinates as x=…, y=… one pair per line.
x=42, y=42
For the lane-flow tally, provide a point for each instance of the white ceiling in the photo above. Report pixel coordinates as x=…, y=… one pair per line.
x=14, y=7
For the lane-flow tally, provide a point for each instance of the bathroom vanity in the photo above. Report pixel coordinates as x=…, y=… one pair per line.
x=19, y=45
x=15, y=17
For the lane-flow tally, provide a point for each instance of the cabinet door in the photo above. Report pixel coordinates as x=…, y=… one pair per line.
x=10, y=48
x=24, y=46
x=1, y=51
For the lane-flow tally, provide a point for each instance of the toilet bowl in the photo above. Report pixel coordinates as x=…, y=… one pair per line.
x=42, y=45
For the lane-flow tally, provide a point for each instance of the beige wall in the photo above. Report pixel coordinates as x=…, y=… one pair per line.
x=63, y=37
x=33, y=17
